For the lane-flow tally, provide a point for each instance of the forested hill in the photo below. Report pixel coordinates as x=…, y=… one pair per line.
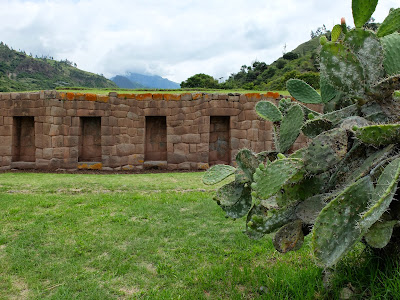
x=301, y=63
x=21, y=72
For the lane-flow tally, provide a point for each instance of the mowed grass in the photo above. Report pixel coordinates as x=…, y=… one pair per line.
x=151, y=236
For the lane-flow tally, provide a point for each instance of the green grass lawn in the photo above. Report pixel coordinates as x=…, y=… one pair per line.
x=151, y=236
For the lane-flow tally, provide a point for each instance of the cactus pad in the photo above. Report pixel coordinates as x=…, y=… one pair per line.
x=217, y=173
x=336, y=32
x=378, y=236
x=247, y=161
x=367, y=48
x=383, y=194
x=261, y=212
x=314, y=127
x=325, y=151
x=357, y=121
x=327, y=91
x=336, y=229
x=289, y=238
x=270, y=179
x=379, y=134
x=372, y=111
x=309, y=210
x=290, y=127
x=390, y=24
x=362, y=11
x=291, y=193
x=338, y=116
x=302, y=91
x=268, y=111
x=342, y=69
x=284, y=105
x=270, y=221
x=229, y=194
x=391, y=46
x=372, y=160
x=241, y=207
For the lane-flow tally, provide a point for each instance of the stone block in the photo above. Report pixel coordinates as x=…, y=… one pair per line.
x=54, y=130
x=57, y=141
x=204, y=137
x=6, y=140
x=191, y=138
x=6, y=130
x=139, y=148
x=252, y=134
x=202, y=166
x=186, y=97
x=57, y=120
x=71, y=141
x=47, y=153
x=203, y=147
x=57, y=111
x=5, y=150
x=184, y=166
x=176, y=158
x=239, y=134
x=8, y=121
x=106, y=130
x=181, y=148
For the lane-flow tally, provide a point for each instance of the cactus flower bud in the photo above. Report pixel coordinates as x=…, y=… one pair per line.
x=344, y=26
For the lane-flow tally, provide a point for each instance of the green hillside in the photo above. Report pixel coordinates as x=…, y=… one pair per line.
x=21, y=72
x=301, y=63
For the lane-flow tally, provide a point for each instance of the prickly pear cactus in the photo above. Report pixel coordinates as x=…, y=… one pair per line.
x=344, y=184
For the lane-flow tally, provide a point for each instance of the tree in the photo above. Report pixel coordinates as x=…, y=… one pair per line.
x=290, y=56
x=200, y=81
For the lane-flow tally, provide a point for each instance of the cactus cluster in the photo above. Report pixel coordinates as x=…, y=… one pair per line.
x=342, y=186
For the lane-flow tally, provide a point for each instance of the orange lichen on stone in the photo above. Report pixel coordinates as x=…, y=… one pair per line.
x=62, y=96
x=83, y=166
x=146, y=96
x=141, y=161
x=172, y=97
x=86, y=166
x=197, y=96
x=79, y=96
x=158, y=96
x=127, y=168
x=97, y=166
x=253, y=96
x=101, y=98
x=274, y=95
x=70, y=96
x=126, y=96
x=90, y=97
x=203, y=166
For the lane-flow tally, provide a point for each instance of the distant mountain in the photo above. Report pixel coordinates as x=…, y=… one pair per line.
x=21, y=72
x=149, y=81
x=125, y=83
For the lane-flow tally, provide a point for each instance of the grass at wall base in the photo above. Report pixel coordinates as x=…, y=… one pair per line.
x=153, y=236
x=342, y=189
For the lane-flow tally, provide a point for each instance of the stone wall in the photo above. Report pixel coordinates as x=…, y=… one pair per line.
x=54, y=130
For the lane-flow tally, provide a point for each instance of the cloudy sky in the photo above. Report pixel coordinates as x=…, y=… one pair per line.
x=173, y=39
